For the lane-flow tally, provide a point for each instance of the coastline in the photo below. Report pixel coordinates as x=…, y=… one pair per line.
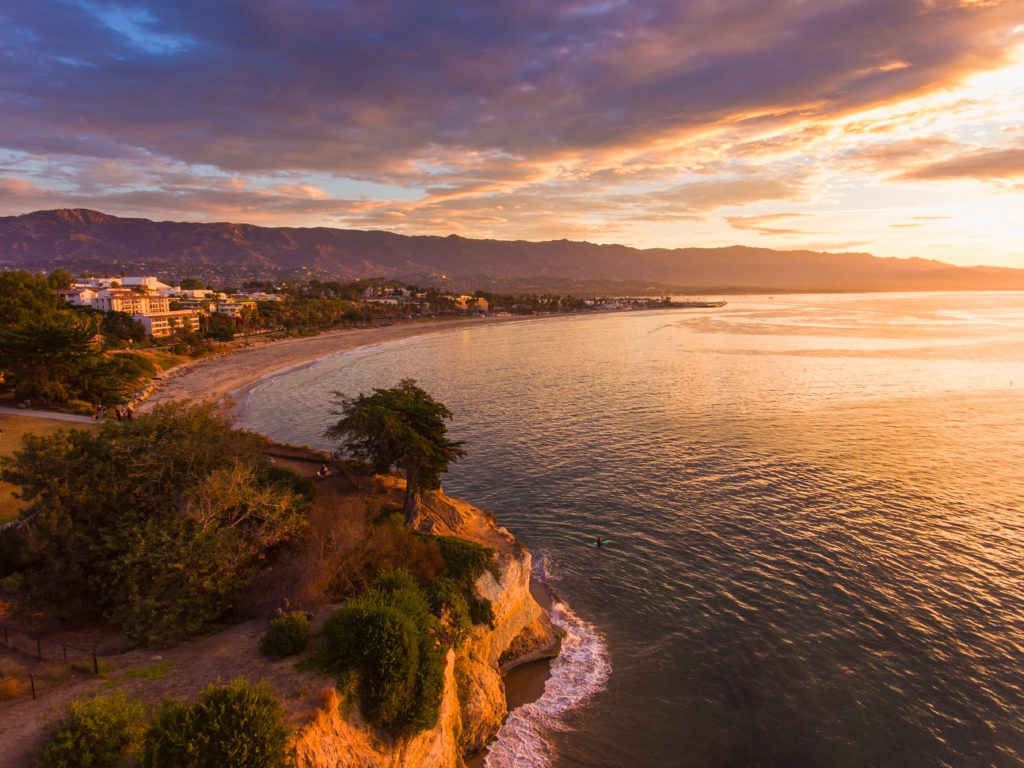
x=233, y=374
x=228, y=378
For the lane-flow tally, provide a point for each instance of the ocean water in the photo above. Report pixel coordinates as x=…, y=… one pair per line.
x=817, y=512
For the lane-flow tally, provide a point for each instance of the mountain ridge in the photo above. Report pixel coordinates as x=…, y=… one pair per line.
x=82, y=239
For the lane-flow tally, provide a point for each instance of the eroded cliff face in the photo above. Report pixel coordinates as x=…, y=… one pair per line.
x=473, y=704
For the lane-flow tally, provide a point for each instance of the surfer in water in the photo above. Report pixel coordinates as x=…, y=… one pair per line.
x=599, y=541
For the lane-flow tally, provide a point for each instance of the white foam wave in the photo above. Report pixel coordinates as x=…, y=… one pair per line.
x=580, y=671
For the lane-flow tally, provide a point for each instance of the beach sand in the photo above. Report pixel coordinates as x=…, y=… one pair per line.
x=230, y=374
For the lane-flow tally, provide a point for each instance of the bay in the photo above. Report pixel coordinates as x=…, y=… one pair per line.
x=816, y=511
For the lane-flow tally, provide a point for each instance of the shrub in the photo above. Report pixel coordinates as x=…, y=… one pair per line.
x=285, y=636
x=448, y=603
x=238, y=725
x=465, y=561
x=104, y=732
x=481, y=611
x=385, y=635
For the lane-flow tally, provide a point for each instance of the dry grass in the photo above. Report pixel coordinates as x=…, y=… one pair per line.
x=14, y=428
x=354, y=534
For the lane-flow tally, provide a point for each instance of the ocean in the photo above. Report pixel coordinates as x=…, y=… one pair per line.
x=816, y=507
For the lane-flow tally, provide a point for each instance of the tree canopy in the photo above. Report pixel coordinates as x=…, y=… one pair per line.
x=50, y=351
x=159, y=522
x=402, y=428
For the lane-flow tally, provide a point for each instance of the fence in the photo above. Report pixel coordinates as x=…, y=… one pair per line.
x=41, y=649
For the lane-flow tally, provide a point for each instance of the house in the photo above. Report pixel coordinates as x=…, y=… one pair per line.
x=78, y=296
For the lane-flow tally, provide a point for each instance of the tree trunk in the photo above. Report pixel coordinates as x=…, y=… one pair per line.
x=411, y=508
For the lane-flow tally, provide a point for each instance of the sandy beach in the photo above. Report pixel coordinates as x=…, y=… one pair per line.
x=228, y=375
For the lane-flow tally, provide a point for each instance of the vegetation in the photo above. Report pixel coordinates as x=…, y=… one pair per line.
x=159, y=522
x=51, y=353
x=392, y=636
x=286, y=636
x=104, y=732
x=464, y=562
x=386, y=636
x=401, y=427
x=239, y=725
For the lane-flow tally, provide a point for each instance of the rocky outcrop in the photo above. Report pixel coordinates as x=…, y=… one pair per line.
x=473, y=705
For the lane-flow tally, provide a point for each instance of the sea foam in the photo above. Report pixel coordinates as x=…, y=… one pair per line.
x=580, y=671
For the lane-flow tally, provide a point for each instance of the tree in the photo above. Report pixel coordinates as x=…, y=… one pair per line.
x=239, y=725
x=24, y=296
x=54, y=357
x=159, y=522
x=402, y=427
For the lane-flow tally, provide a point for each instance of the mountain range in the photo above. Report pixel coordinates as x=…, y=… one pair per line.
x=83, y=240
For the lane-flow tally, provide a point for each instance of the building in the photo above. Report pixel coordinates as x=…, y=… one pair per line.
x=129, y=301
x=158, y=324
x=79, y=296
x=235, y=308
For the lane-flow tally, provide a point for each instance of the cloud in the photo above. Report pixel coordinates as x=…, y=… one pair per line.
x=981, y=165
x=349, y=88
x=592, y=118
x=765, y=224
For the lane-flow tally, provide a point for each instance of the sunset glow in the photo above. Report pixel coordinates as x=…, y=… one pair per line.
x=895, y=128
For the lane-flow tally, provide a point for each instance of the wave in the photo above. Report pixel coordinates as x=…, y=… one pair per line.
x=580, y=671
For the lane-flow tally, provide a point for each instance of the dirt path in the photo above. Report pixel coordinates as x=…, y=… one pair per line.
x=152, y=675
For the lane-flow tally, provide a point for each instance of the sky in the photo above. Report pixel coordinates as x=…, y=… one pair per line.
x=894, y=127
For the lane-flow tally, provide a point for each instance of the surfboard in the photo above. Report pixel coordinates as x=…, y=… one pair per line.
x=593, y=542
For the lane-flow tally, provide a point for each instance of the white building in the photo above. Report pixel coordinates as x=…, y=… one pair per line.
x=234, y=308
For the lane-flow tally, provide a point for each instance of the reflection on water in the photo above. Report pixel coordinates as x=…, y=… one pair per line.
x=816, y=506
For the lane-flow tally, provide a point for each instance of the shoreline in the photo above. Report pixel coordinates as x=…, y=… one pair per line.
x=233, y=374
x=228, y=378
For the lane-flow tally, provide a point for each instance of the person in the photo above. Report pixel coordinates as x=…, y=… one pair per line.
x=323, y=471
x=598, y=541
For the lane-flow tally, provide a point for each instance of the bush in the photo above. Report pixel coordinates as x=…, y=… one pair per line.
x=481, y=611
x=104, y=732
x=448, y=603
x=285, y=636
x=465, y=561
x=239, y=725
x=385, y=635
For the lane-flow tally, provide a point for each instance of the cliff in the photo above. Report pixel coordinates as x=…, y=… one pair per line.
x=473, y=705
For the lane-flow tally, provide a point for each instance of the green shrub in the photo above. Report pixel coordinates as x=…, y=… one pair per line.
x=465, y=561
x=239, y=725
x=385, y=635
x=104, y=732
x=448, y=603
x=285, y=636
x=481, y=611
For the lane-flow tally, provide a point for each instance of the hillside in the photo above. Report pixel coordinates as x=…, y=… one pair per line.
x=78, y=239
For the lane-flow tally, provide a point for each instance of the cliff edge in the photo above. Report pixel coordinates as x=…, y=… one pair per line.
x=473, y=704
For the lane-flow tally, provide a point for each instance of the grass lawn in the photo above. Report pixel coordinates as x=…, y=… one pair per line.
x=13, y=428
